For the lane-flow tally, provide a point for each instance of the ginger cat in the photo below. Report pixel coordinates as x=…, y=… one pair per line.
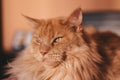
x=62, y=50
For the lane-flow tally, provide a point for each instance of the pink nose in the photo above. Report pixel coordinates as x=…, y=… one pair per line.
x=43, y=52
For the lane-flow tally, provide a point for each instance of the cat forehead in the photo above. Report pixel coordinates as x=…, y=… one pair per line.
x=52, y=26
x=57, y=23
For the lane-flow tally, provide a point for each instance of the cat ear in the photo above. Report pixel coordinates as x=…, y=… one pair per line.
x=35, y=23
x=76, y=19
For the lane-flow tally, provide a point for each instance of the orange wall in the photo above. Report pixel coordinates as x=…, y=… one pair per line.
x=12, y=10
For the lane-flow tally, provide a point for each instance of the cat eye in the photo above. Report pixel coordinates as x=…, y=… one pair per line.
x=38, y=40
x=57, y=39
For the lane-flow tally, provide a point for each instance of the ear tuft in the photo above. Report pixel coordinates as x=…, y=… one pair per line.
x=32, y=22
x=76, y=19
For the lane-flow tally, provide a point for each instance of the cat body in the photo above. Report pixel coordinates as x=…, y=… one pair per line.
x=62, y=50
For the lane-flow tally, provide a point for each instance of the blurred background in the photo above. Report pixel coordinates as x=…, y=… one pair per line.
x=15, y=33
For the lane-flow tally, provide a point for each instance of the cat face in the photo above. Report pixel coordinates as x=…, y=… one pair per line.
x=53, y=39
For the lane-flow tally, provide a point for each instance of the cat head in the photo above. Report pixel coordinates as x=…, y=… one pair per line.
x=55, y=38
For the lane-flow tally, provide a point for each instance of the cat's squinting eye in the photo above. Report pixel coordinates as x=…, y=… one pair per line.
x=57, y=39
x=38, y=40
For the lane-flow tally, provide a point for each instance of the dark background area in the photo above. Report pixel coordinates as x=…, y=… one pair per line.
x=4, y=58
x=2, y=54
x=1, y=49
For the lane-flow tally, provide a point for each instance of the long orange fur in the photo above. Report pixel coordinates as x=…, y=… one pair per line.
x=76, y=55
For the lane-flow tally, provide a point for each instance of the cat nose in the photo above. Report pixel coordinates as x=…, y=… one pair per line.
x=43, y=52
